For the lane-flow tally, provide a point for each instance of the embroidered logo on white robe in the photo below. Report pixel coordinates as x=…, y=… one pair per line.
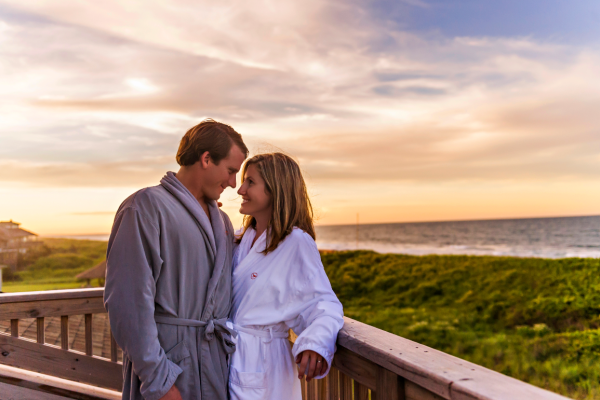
x=254, y=275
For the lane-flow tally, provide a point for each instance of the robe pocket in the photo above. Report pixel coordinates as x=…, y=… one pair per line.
x=178, y=352
x=253, y=380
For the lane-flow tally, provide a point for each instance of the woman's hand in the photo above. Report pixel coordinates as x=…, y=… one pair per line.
x=316, y=364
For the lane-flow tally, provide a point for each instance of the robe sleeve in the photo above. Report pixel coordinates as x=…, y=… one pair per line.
x=321, y=314
x=133, y=264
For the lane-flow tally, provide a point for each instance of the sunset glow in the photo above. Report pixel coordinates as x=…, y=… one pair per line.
x=414, y=110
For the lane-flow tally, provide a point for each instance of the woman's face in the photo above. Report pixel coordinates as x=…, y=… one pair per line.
x=256, y=201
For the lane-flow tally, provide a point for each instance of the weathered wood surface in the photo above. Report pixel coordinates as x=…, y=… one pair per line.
x=367, y=358
x=114, y=347
x=88, y=335
x=52, y=360
x=64, y=332
x=40, y=330
x=334, y=384
x=311, y=390
x=357, y=367
x=322, y=388
x=12, y=392
x=447, y=376
x=14, y=327
x=50, y=385
x=76, y=333
x=416, y=392
x=345, y=387
x=51, y=295
x=51, y=308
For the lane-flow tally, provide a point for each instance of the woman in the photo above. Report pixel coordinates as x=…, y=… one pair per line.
x=279, y=284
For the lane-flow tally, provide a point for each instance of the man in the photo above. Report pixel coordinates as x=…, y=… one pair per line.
x=168, y=277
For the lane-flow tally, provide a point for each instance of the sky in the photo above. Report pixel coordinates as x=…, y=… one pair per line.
x=404, y=110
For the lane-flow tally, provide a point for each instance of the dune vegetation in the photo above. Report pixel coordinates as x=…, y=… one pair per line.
x=53, y=264
x=533, y=319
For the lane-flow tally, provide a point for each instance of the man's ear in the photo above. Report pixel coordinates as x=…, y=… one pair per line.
x=204, y=159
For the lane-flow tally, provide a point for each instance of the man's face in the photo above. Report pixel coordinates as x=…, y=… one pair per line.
x=222, y=175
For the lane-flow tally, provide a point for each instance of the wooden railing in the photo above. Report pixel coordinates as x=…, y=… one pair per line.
x=59, y=361
x=369, y=363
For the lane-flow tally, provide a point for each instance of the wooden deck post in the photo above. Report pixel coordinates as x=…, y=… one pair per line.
x=114, y=349
x=14, y=327
x=40, y=330
x=88, y=334
x=345, y=387
x=361, y=392
x=64, y=332
x=389, y=385
x=334, y=388
x=311, y=390
x=322, y=388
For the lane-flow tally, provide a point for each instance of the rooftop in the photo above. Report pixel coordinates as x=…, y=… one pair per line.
x=97, y=272
x=10, y=230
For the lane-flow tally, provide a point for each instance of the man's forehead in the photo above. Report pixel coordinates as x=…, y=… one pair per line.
x=235, y=158
x=236, y=153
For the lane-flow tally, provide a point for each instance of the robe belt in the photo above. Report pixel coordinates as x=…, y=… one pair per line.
x=265, y=334
x=210, y=327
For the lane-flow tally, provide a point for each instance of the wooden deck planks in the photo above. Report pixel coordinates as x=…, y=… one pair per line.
x=12, y=392
x=68, y=365
x=101, y=332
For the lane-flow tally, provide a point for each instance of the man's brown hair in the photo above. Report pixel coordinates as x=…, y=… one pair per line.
x=212, y=136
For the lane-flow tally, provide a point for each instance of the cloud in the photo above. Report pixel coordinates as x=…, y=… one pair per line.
x=99, y=94
x=96, y=174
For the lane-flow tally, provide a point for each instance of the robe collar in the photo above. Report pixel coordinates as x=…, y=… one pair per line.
x=215, y=231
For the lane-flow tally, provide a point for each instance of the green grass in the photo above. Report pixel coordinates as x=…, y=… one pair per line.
x=54, y=264
x=537, y=320
x=534, y=319
x=13, y=287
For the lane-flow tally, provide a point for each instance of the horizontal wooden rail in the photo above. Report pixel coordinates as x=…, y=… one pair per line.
x=51, y=295
x=369, y=363
x=58, y=361
x=40, y=306
x=434, y=371
x=51, y=360
x=17, y=383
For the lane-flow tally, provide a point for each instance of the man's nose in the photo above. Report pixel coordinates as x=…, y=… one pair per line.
x=232, y=182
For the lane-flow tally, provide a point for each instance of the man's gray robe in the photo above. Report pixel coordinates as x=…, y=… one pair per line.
x=168, y=292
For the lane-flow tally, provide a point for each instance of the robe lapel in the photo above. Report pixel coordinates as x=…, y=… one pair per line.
x=223, y=248
x=180, y=192
x=244, y=268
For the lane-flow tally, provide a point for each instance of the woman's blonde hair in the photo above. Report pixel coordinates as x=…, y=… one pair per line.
x=291, y=205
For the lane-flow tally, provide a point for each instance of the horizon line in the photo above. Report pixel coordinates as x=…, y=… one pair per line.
x=64, y=235
x=468, y=220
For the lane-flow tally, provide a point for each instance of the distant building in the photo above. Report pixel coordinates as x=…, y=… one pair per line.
x=14, y=240
x=97, y=272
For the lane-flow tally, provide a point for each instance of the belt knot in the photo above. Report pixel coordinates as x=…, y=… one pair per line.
x=219, y=327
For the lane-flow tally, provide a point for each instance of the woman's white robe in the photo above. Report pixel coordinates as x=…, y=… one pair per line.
x=287, y=288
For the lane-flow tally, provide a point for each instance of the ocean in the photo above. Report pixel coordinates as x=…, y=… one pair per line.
x=530, y=237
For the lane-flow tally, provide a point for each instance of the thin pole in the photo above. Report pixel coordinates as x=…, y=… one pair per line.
x=356, y=231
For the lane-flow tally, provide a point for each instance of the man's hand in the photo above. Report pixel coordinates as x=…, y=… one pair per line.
x=316, y=364
x=172, y=394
